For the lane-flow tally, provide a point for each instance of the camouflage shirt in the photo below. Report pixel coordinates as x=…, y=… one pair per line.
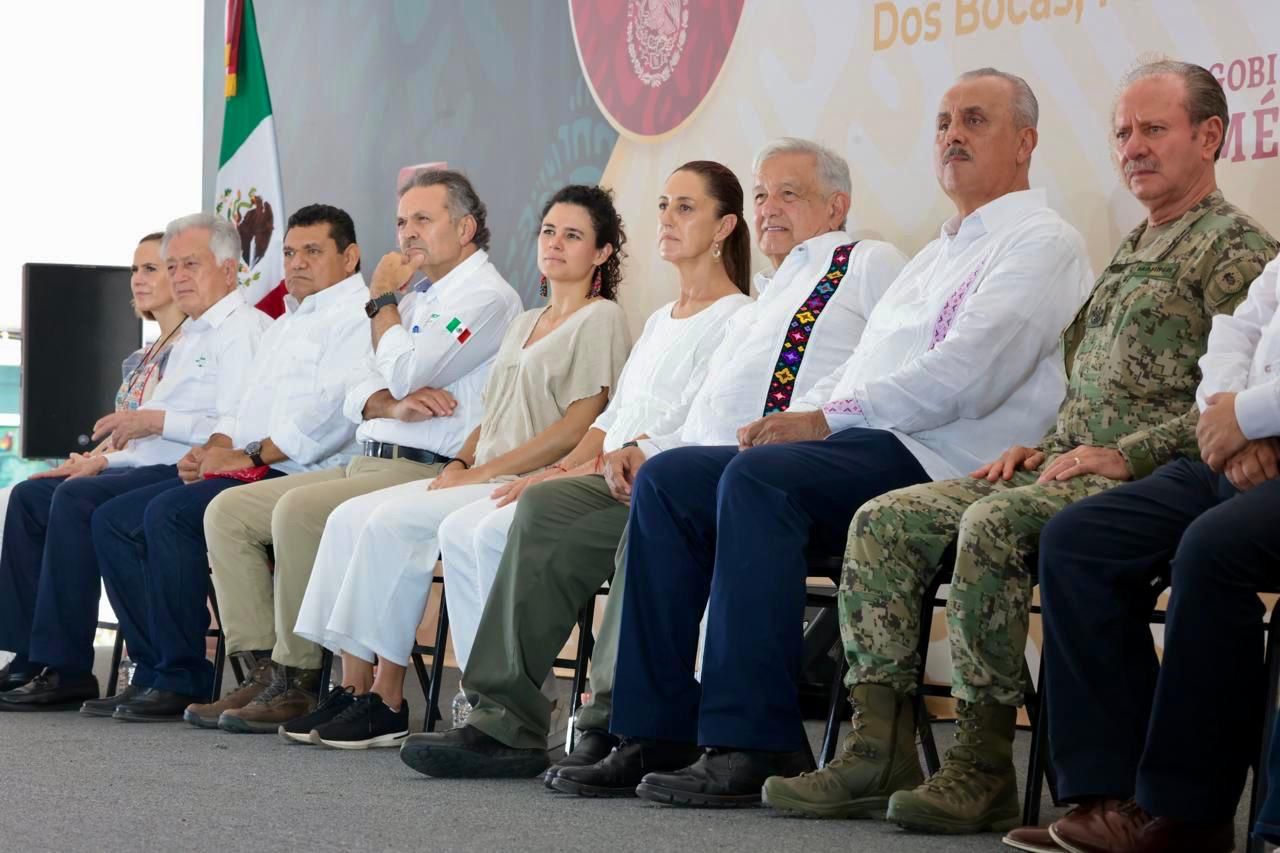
x=1131, y=352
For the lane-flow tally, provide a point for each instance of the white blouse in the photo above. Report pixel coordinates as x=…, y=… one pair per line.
x=665, y=370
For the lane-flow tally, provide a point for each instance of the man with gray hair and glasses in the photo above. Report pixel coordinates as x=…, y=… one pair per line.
x=809, y=316
x=960, y=358
x=415, y=401
x=49, y=519
x=1130, y=357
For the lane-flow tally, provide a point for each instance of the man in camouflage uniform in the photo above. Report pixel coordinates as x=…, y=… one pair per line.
x=1131, y=360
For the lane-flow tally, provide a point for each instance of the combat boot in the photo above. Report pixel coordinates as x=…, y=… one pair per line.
x=976, y=789
x=877, y=758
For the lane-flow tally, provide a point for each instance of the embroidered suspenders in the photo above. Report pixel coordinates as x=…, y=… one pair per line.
x=797, y=339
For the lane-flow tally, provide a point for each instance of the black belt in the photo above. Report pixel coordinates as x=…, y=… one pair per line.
x=387, y=450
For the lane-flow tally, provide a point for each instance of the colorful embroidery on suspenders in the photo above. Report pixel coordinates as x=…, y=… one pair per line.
x=797, y=339
x=947, y=315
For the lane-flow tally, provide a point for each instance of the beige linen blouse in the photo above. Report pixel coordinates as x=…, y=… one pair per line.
x=530, y=388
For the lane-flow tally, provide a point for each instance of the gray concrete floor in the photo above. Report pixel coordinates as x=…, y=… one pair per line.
x=72, y=783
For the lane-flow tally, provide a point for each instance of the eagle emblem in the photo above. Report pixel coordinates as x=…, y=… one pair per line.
x=254, y=219
x=656, y=34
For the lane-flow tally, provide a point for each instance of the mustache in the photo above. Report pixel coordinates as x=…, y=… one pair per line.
x=1146, y=164
x=411, y=244
x=957, y=152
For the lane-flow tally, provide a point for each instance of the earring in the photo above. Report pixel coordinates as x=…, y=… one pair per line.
x=542, y=286
x=596, y=284
x=715, y=251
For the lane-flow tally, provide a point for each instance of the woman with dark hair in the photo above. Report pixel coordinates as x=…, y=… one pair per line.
x=702, y=232
x=550, y=380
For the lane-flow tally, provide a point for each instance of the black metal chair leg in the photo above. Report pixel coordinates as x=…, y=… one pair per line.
x=220, y=650
x=437, y=666
x=831, y=734
x=117, y=652
x=326, y=667
x=1037, y=763
x=1262, y=769
x=586, y=645
x=924, y=726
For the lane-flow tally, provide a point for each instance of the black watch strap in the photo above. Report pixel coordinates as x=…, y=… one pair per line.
x=373, y=306
x=630, y=444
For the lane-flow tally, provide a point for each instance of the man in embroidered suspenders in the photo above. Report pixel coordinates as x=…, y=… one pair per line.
x=960, y=356
x=1131, y=357
x=810, y=314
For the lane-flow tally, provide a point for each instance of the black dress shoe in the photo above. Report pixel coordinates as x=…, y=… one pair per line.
x=107, y=707
x=12, y=677
x=592, y=746
x=154, y=706
x=723, y=778
x=51, y=690
x=468, y=753
x=618, y=773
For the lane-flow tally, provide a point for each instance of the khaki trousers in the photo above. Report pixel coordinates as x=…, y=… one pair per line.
x=243, y=526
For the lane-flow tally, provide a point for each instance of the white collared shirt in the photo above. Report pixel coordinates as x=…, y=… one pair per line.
x=962, y=358
x=203, y=381
x=447, y=338
x=296, y=386
x=1244, y=356
x=743, y=366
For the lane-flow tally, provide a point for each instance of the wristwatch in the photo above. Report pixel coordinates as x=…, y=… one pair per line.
x=254, y=450
x=373, y=306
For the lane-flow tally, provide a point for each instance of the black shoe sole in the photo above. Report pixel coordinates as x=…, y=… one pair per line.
x=581, y=789
x=130, y=718
x=24, y=708
x=452, y=763
x=98, y=712
x=690, y=799
x=550, y=776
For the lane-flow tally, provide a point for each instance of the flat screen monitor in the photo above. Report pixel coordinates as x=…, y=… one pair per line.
x=78, y=325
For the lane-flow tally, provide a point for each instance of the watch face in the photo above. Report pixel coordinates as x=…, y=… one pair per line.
x=252, y=448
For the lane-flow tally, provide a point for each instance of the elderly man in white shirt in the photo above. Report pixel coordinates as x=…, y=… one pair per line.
x=288, y=419
x=412, y=400
x=808, y=318
x=48, y=538
x=964, y=346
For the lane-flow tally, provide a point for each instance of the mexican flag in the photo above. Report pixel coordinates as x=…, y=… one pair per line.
x=247, y=190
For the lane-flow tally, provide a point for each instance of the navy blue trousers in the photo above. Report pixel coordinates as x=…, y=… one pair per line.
x=1179, y=736
x=49, y=581
x=715, y=528
x=151, y=547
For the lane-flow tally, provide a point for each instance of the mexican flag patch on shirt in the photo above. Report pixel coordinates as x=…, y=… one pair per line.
x=458, y=330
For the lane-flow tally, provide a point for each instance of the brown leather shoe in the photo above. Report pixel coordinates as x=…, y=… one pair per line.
x=290, y=694
x=1034, y=839
x=1123, y=827
x=206, y=716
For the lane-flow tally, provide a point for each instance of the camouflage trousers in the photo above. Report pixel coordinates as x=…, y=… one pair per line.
x=895, y=548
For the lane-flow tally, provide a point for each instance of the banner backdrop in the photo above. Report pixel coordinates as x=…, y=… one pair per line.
x=624, y=91
x=865, y=78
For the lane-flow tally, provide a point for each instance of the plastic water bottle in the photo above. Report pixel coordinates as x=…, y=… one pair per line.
x=461, y=709
x=124, y=675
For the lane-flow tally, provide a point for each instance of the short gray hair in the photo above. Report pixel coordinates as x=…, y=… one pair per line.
x=833, y=170
x=224, y=239
x=1026, y=109
x=1205, y=98
x=462, y=198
